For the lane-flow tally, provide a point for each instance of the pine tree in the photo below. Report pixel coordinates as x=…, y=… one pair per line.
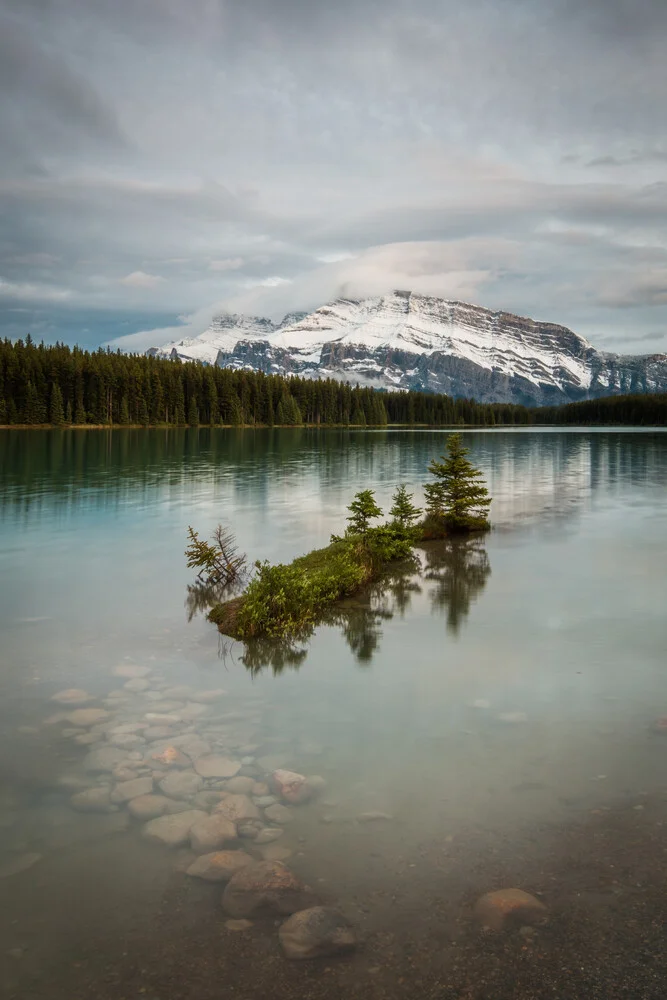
x=458, y=500
x=363, y=509
x=193, y=412
x=68, y=412
x=124, y=417
x=56, y=412
x=403, y=512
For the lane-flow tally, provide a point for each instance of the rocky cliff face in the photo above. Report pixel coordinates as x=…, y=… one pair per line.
x=408, y=341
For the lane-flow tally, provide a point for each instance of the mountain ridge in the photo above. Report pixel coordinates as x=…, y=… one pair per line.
x=405, y=340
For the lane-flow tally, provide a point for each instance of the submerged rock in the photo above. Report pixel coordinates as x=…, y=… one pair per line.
x=268, y=886
x=130, y=670
x=86, y=717
x=95, y=799
x=145, y=807
x=104, y=759
x=317, y=931
x=168, y=757
x=238, y=925
x=220, y=866
x=181, y=784
x=269, y=834
x=497, y=909
x=275, y=852
x=216, y=766
x=205, y=697
x=290, y=786
x=172, y=831
x=72, y=696
x=211, y=833
x=373, y=816
x=238, y=808
x=279, y=814
x=127, y=790
x=136, y=685
x=241, y=785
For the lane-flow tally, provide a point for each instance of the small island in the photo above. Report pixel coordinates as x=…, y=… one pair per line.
x=286, y=600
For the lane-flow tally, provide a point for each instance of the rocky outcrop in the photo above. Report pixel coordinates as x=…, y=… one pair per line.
x=408, y=341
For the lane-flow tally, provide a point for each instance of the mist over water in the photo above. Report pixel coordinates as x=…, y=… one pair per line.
x=494, y=688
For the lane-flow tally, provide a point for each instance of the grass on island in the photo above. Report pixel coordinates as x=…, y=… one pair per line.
x=286, y=599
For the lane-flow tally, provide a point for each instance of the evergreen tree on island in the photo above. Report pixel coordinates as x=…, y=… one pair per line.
x=458, y=501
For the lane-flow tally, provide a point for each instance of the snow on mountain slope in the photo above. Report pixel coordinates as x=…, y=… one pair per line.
x=408, y=341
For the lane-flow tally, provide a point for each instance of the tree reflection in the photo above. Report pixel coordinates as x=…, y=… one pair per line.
x=460, y=568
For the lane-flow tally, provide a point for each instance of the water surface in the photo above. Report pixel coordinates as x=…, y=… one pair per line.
x=490, y=702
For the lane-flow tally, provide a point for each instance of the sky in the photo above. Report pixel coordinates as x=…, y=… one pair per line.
x=162, y=161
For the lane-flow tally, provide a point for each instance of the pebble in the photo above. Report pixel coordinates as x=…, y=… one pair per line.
x=129, y=670
x=316, y=931
x=205, y=697
x=215, y=766
x=86, y=717
x=136, y=685
x=219, y=866
x=496, y=909
x=512, y=717
x=211, y=833
x=267, y=886
x=174, y=830
x=181, y=784
x=127, y=790
x=269, y=834
x=238, y=808
x=373, y=816
x=93, y=800
x=290, y=786
x=238, y=925
x=264, y=800
x=72, y=696
x=242, y=785
x=104, y=759
x=145, y=807
x=279, y=814
x=275, y=852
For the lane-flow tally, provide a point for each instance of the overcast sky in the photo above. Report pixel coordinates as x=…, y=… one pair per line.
x=161, y=160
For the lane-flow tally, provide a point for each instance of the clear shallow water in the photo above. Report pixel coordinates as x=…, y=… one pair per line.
x=508, y=685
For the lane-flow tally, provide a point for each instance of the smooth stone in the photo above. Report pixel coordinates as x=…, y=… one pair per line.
x=249, y=829
x=260, y=788
x=242, y=785
x=136, y=685
x=193, y=746
x=86, y=717
x=512, y=717
x=219, y=866
x=93, y=800
x=290, y=786
x=104, y=759
x=86, y=739
x=373, y=816
x=72, y=696
x=126, y=740
x=264, y=800
x=212, y=833
x=146, y=807
x=168, y=757
x=20, y=863
x=124, y=773
x=268, y=835
x=181, y=784
x=169, y=720
x=497, y=909
x=316, y=783
x=151, y=733
x=173, y=830
x=127, y=727
x=238, y=808
x=207, y=799
x=164, y=707
x=193, y=710
x=317, y=931
x=129, y=670
x=216, y=766
x=127, y=790
x=279, y=814
x=275, y=852
x=238, y=925
x=267, y=886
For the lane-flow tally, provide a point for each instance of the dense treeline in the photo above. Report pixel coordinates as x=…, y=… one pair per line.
x=60, y=385
x=648, y=410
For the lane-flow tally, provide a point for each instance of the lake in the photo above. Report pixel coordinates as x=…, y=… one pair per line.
x=490, y=718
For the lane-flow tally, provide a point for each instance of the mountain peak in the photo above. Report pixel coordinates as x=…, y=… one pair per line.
x=407, y=340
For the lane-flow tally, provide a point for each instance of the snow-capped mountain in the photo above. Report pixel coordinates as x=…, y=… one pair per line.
x=409, y=341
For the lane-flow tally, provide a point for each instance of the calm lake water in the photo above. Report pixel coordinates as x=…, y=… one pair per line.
x=497, y=706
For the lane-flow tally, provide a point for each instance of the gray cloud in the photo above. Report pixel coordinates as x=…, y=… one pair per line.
x=163, y=157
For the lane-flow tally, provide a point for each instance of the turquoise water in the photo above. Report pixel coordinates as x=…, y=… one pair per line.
x=502, y=685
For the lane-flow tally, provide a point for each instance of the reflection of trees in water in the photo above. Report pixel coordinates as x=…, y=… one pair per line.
x=276, y=653
x=459, y=567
